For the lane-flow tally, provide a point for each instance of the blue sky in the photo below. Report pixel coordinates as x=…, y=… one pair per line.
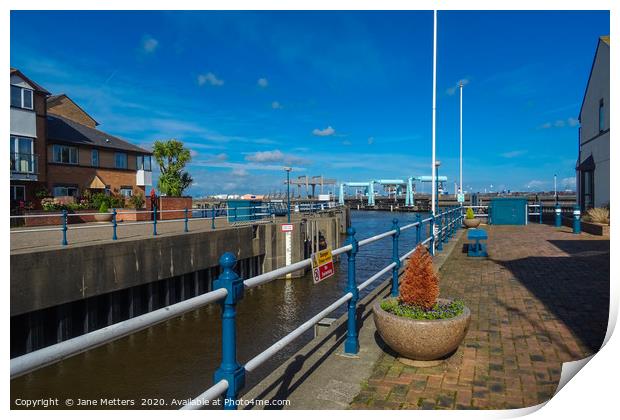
x=343, y=94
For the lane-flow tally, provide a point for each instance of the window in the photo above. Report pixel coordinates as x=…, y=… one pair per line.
x=18, y=193
x=65, y=154
x=601, y=116
x=21, y=98
x=22, y=157
x=143, y=162
x=64, y=190
x=120, y=160
x=94, y=158
x=126, y=191
x=587, y=189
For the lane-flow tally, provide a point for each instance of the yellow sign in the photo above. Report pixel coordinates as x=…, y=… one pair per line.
x=322, y=265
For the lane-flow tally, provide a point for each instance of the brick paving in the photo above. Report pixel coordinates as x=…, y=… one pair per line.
x=541, y=298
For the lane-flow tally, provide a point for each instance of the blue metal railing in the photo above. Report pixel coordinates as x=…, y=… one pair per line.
x=234, y=216
x=229, y=379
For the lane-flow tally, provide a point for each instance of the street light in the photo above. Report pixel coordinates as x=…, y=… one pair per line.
x=461, y=138
x=288, y=192
x=555, y=188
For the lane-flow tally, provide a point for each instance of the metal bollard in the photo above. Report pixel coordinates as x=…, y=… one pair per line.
x=577, y=220
x=155, y=220
x=395, y=258
x=440, y=232
x=558, y=216
x=230, y=369
x=114, y=224
x=418, y=228
x=64, y=228
x=431, y=231
x=352, y=345
x=540, y=211
x=212, y=217
x=186, y=221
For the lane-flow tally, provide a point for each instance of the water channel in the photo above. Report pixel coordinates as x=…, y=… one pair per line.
x=176, y=359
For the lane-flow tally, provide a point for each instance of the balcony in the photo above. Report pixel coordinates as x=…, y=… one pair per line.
x=144, y=178
x=24, y=167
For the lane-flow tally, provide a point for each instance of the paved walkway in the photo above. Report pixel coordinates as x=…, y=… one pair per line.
x=540, y=299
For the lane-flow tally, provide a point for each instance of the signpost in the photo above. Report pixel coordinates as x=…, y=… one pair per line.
x=322, y=265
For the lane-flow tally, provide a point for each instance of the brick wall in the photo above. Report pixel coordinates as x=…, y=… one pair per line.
x=172, y=203
x=63, y=106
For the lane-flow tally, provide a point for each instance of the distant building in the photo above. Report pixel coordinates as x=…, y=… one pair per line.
x=593, y=161
x=251, y=197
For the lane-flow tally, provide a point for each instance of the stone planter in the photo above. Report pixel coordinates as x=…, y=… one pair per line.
x=421, y=340
x=99, y=217
x=471, y=223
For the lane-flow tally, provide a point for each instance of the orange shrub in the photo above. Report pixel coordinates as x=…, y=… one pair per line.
x=420, y=284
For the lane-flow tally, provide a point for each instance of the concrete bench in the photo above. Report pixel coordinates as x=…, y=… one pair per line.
x=477, y=249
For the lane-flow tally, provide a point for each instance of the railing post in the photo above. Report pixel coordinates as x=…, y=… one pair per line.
x=154, y=219
x=431, y=232
x=558, y=215
x=395, y=258
x=440, y=232
x=351, y=345
x=235, y=208
x=577, y=219
x=64, y=228
x=540, y=211
x=451, y=221
x=114, y=224
x=213, y=217
x=230, y=369
x=186, y=221
x=418, y=228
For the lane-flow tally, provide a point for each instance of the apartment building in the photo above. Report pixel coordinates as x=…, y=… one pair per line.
x=27, y=126
x=56, y=145
x=80, y=156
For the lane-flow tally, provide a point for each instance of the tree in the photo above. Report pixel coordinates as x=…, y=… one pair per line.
x=420, y=285
x=172, y=156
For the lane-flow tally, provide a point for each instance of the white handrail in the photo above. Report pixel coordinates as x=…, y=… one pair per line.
x=56, y=352
x=210, y=394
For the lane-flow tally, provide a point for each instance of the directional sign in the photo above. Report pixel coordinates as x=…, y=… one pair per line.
x=287, y=228
x=322, y=265
x=460, y=198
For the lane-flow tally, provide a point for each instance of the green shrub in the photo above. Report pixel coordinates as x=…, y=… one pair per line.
x=469, y=214
x=438, y=311
x=103, y=208
x=137, y=201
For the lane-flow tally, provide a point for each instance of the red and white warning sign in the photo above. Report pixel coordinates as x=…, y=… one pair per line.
x=322, y=265
x=287, y=228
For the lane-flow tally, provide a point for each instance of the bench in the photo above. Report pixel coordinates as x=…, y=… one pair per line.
x=477, y=249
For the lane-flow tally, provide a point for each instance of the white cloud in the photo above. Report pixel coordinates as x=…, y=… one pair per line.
x=329, y=131
x=570, y=122
x=513, y=153
x=262, y=82
x=535, y=183
x=149, y=44
x=371, y=140
x=193, y=153
x=452, y=90
x=274, y=156
x=209, y=78
x=347, y=143
x=276, y=105
x=568, y=183
x=240, y=172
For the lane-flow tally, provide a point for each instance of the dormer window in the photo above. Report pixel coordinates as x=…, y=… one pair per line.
x=21, y=98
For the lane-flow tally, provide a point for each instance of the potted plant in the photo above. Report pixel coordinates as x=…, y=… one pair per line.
x=423, y=328
x=103, y=208
x=470, y=221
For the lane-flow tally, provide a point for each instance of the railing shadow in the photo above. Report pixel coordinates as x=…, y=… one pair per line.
x=574, y=288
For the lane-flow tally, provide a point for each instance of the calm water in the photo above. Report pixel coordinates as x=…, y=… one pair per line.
x=176, y=359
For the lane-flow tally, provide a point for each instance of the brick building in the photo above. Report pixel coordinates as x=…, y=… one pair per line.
x=55, y=144
x=27, y=126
